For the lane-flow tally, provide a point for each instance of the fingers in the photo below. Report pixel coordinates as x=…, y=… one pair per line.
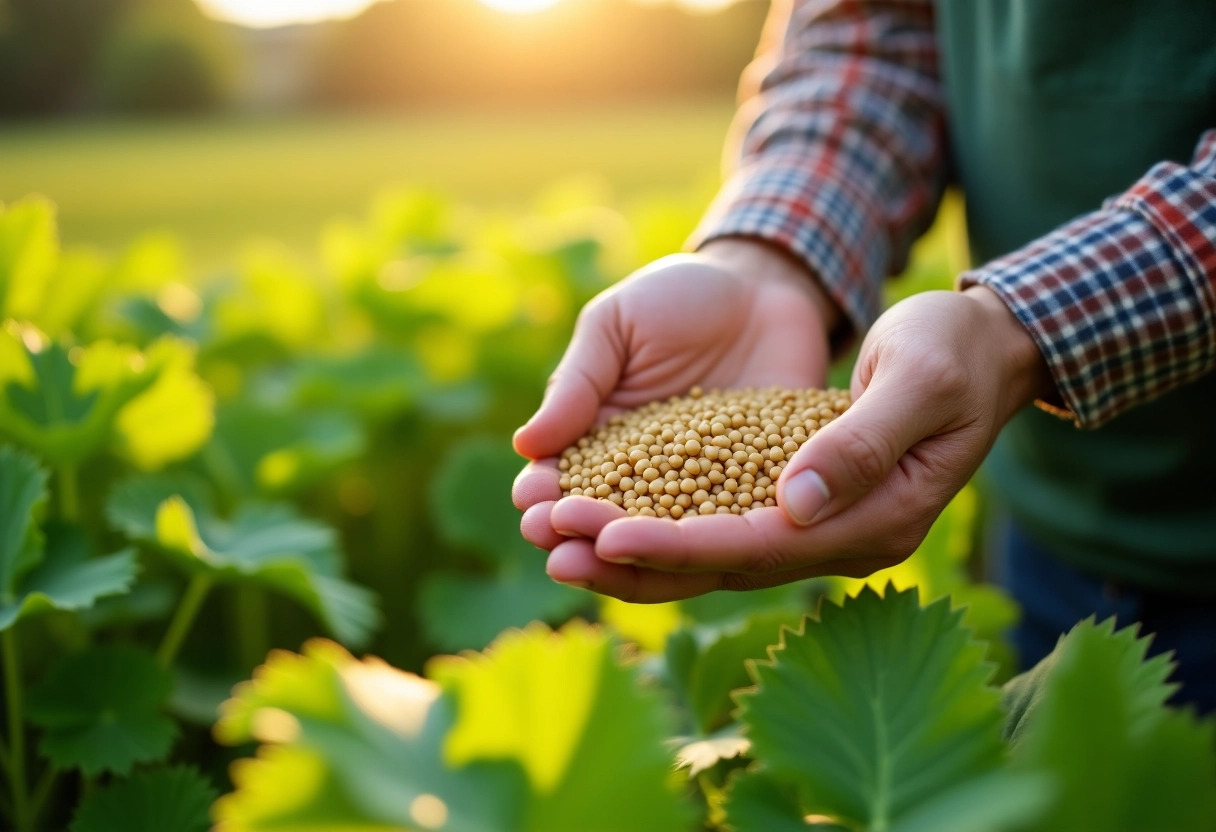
x=574, y=562
x=586, y=375
x=537, y=527
x=850, y=457
x=875, y=533
x=584, y=516
x=538, y=482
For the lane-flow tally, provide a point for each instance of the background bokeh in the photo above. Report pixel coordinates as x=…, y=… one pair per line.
x=325, y=269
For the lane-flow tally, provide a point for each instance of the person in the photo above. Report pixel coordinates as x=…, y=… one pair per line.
x=1081, y=136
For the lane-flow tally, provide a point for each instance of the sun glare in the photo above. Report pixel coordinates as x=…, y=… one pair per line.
x=520, y=6
x=264, y=13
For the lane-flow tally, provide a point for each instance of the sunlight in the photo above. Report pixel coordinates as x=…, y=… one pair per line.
x=265, y=13
x=520, y=6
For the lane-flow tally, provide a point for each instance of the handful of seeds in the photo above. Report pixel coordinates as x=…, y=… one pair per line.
x=705, y=453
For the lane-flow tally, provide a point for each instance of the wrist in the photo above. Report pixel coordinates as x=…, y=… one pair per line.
x=1024, y=373
x=756, y=258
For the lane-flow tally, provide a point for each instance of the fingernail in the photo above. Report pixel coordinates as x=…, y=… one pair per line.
x=805, y=496
x=622, y=561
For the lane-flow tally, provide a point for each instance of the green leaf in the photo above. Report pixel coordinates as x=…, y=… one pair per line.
x=101, y=710
x=62, y=403
x=875, y=710
x=263, y=449
x=29, y=248
x=67, y=578
x=1094, y=718
x=586, y=735
x=171, y=419
x=22, y=495
x=37, y=573
x=472, y=506
x=757, y=802
x=353, y=745
x=460, y=611
x=377, y=383
x=1148, y=677
x=721, y=667
x=175, y=798
x=266, y=544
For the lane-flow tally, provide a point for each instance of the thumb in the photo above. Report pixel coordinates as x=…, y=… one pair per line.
x=850, y=456
x=584, y=378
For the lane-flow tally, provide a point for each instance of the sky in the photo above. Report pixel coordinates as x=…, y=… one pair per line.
x=281, y=12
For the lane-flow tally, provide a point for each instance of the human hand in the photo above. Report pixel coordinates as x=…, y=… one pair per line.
x=739, y=313
x=938, y=376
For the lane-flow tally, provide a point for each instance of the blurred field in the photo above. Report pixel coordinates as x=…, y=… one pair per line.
x=217, y=181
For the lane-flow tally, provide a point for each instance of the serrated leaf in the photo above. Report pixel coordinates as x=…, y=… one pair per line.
x=353, y=745
x=585, y=734
x=1096, y=721
x=460, y=611
x=698, y=754
x=22, y=494
x=67, y=578
x=64, y=407
x=101, y=710
x=175, y=798
x=721, y=666
x=267, y=544
x=757, y=802
x=38, y=574
x=472, y=505
x=875, y=709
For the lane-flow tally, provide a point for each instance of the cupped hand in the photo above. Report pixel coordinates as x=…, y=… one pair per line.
x=737, y=314
x=937, y=377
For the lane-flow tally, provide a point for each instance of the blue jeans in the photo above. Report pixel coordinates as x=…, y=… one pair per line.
x=1055, y=595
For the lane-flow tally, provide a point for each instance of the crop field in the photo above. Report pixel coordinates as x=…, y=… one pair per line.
x=220, y=181
x=260, y=569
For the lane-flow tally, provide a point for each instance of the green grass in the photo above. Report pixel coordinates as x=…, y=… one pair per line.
x=219, y=181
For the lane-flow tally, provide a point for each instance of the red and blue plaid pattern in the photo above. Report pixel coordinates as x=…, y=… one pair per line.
x=841, y=162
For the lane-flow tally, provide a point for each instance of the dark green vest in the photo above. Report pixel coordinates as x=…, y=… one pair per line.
x=1055, y=105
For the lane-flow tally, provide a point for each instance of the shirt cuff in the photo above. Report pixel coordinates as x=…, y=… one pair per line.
x=1112, y=310
x=784, y=201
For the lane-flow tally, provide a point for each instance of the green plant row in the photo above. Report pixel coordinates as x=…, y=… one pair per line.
x=199, y=471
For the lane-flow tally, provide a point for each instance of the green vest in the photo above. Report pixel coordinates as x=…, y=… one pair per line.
x=1055, y=105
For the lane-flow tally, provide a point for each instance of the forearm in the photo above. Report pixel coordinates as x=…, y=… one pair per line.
x=1122, y=302
x=840, y=150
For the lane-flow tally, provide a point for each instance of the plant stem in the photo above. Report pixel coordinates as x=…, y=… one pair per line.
x=69, y=493
x=187, y=609
x=16, y=729
x=42, y=790
x=252, y=633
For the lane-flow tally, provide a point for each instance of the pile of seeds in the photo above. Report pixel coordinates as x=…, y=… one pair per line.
x=705, y=453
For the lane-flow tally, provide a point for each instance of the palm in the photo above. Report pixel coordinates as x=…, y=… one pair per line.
x=692, y=323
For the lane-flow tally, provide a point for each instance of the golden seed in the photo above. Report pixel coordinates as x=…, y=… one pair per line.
x=716, y=450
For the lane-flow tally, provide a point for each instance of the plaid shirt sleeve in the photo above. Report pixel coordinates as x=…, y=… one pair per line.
x=1122, y=302
x=841, y=157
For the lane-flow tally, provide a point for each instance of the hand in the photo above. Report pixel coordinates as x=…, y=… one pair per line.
x=938, y=376
x=739, y=313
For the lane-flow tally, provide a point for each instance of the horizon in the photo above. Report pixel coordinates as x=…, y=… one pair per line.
x=266, y=14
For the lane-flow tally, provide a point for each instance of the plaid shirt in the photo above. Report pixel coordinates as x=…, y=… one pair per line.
x=841, y=162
